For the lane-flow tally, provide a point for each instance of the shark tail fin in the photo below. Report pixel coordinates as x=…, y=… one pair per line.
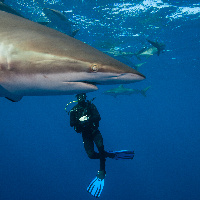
x=143, y=92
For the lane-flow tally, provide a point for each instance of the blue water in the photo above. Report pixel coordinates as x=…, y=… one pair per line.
x=42, y=157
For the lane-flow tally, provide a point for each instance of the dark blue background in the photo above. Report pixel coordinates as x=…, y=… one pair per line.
x=41, y=156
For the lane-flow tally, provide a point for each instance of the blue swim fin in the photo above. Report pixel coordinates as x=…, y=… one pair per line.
x=123, y=154
x=96, y=186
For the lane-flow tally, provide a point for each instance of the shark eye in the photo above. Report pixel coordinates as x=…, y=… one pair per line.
x=94, y=67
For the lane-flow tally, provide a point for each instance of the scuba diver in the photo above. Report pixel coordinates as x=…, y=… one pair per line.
x=84, y=117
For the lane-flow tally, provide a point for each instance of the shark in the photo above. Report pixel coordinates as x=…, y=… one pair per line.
x=36, y=60
x=60, y=21
x=8, y=9
x=156, y=48
x=121, y=90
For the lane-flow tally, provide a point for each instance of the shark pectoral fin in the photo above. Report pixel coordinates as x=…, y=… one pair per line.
x=149, y=55
x=10, y=96
x=14, y=98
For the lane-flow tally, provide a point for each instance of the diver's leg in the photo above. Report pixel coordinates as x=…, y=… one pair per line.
x=96, y=186
x=98, y=140
x=89, y=147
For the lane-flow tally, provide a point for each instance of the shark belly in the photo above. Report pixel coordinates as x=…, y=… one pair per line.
x=42, y=85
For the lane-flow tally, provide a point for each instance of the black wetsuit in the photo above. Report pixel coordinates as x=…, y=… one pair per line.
x=89, y=130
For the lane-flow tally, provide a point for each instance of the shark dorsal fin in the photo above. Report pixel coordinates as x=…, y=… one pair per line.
x=121, y=86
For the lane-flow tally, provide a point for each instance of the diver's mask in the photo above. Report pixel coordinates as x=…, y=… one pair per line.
x=81, y=97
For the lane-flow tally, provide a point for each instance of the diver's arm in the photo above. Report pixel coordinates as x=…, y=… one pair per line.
x=95, y=113
x=74, y=117
x=74, y=122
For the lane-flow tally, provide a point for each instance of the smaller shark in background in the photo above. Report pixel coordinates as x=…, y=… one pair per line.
x=156, y=48
x=121, y=90
x=60, y=21
x=8, y=9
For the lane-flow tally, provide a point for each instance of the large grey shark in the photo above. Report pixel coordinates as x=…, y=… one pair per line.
x=36, y=61
x=121, y=90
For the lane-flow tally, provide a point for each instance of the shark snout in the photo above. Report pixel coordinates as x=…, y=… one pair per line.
x=140, y=76
x=129, y=74
x=131, y=77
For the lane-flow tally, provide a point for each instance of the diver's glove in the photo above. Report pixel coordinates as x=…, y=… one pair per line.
x=96, y=186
